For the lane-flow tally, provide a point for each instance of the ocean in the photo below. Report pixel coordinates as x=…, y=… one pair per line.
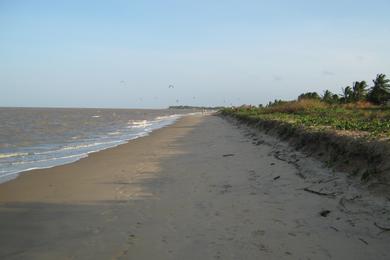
x=36, y=138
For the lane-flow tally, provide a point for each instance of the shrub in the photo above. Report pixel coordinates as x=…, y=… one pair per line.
x=297, y=106
x=358, y=105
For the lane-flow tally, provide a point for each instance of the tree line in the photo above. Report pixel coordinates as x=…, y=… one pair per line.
x=378, y=94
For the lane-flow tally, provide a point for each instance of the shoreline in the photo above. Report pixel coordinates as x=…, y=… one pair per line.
x=115, y=143
x=201, y=183
x=36, y=177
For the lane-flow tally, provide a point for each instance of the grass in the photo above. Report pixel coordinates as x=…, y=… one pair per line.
x=374, y=121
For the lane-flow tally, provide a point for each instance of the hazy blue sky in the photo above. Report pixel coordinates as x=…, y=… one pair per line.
x=127, y=53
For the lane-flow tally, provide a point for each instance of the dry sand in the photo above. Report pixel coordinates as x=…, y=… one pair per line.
x=203, y=188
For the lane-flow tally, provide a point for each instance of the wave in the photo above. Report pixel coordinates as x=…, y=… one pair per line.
x=79, y=146
x=52, y=159
x=115, y=133
x=9, y=155
x=61, y=154
x=139, y=123
x=168, y=117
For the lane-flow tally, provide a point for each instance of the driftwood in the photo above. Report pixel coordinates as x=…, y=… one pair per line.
x=227, y=155
x=335, y=229
x=329, y=180
x=364, y=241
x=319, y=193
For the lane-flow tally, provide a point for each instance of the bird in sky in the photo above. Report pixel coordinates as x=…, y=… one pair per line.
x=170, y=86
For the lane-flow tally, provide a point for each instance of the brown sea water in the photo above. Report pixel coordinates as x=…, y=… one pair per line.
x=32, y=138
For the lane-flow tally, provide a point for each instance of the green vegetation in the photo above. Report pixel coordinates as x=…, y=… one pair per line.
x=378, y=94
x=194, y=107
x=356, y=109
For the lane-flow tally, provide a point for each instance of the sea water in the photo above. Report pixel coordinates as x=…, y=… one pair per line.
x=36, y=138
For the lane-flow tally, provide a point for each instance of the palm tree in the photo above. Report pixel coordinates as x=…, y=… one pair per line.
x=347, y=94
x=359, y=90
x=329, y=97
x=336, y=98
x=380, y=92
x=309, y=95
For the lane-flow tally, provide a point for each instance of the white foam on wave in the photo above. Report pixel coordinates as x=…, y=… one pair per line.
x=79, y=146
x=139, y=123
x=9, y=155
x=168, y=117
x=63, y=155
x=75, y=147
x=115, y=133
x=51, y=159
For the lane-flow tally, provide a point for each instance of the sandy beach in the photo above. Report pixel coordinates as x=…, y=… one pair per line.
x=203, y=188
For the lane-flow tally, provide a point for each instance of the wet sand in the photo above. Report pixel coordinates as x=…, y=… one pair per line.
x=203, y=188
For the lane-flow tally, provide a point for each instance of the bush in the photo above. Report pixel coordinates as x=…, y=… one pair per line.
x=297, y=106
x=358, y=105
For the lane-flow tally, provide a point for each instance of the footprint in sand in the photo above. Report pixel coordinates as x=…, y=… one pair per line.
x=258, y=233
x=226, y=188
x=130, y=238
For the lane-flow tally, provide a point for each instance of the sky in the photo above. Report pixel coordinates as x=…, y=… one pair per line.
x=125, y=54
